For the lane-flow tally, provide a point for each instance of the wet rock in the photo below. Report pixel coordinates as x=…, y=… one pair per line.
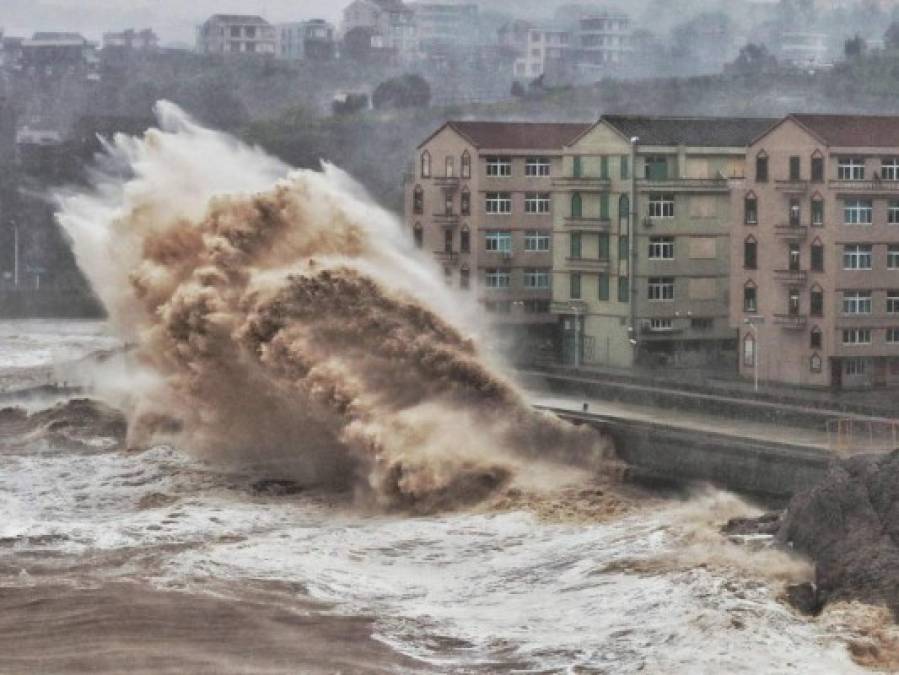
x=768, y=523
x=276, y=488
x=849, y=525
x=804, y=597
x=155, y=500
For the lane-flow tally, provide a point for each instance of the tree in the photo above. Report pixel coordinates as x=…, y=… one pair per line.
x=855, y=47
x=349, y=104
x=518, y=90
x=753, y=58
x=357, y=43
x=407, y=91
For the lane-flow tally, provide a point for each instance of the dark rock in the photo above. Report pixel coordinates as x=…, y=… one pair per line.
x=849, y=525
x=768, y=523
x=804, y=597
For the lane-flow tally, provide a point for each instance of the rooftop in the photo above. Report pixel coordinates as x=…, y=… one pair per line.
x=242, y=19
x=519, y=135
x=852, y=130
x=713, y=132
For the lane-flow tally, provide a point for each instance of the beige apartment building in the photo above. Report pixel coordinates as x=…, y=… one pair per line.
x=480, y=200
x=236, y=34
x=667, y=181
x=815, y=289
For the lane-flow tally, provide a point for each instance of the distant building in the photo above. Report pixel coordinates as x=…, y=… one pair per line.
x=548, y=51
x=143, y=40
x=51, y=54
x=391, y=24
x=445, y=26
x=514, y=35
x=602, y=42
x=803, y=49
x=313, y=40
x=236, y=34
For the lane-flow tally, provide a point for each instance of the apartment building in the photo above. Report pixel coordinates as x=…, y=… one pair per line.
x=144, y=40
x=815, y=289
x=480, y=200
x=390, y=22
x=446, y=26
x=236, y=34
x=547, y=52
x=602, y=42
x=650, y=195
x=312, y=40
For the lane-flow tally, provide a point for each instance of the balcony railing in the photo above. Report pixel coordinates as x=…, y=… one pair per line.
x=447, y=181
x=794, y=232
x=791, y=276
x=865, y=186
x=579, y=222
x=446, y=219
x=587, y=264
x=450, y=257
x=791, y=321
x=792, y=186
x=683, y=184
x=584, y=183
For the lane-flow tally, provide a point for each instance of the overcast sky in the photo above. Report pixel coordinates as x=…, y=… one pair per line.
x=173, y=20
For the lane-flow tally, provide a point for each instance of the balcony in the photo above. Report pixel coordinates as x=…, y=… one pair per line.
x=446, y=219
x=447, y=181
x=447, y=257
x=587, y=264
x=683, y=185
x=870, y=187
x=792, y=187
x=791, y=321
x=582, y=183
x=595, y=224
x=791, y=232
x=792, y=277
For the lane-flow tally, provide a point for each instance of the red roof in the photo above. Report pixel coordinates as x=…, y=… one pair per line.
x=863, y=131
x=519, y=135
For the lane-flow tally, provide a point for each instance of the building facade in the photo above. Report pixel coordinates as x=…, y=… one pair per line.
x=602, y=42
x=137, y=40
x=445, y=26
x=642, y=240
x=391, y=24
x=547, y=52
x=480, y=201
x=815, y=289
x=312, y=40
x=232, y=34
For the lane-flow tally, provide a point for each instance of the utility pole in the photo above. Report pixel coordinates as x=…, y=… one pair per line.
x=632, y=246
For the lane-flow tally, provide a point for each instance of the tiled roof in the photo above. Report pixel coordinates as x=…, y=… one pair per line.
x=43, y=36
x=392, y=5
x=519, y=135
x=718, y=132
x=240, y=18
x=852, y=130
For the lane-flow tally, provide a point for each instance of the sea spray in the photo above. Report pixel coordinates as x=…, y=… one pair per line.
x=285, y=320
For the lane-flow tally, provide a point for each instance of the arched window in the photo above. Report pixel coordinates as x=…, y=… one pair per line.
x=624, y=212
x=750, y=297
x=465, y=240
x=450, y=167
x=761, y=167
x=816, y=301
x=577, y=207
x=465, y=278
x=749, y=350
x=816, y=338
x=466, y=165
x=418, y=200
x=817, y=167
x=750, y=209
x=815, y=363
x=426, y=164
x=817, y=249
x=418, y=235
x=817, y=210
x=466, y=201
x=750, y=253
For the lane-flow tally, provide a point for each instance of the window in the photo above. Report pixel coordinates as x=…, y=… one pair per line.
x=497, y=278
x=661, y=248
x=623, y=250
x=450, y=167
x=818, y=212
x=816, y=302
x=750, y=211
x=447, y=241
x=793, y=302
x=750, y=303
x=465, y=202
x=536, y=241
x=750, y=254
x=857, y=256
x=499, y=203
x=815, y=338
x=856, y=302
x=625, y=167
x=817, y=262
x=761, y=168
x=535, y=306
x=466, y=165
x=418, y=235
x=857, y=336
x=889, y=168
x=426, y=164
x=465, y=240
x=537, y=202
x=624, y=290
x=498, y=241
x=235, y=31
x=795, y=166
x=577, y=205
x=854, y=367
x=464, y=278
x=795, y=212
x=661, y=205
x=536, y=279
x=656, y=167
x=537, y=166
x=851, y=168
x=575, y=245
x=660, y=325
x=893, y=302
x=817, y=169
x=661, y=288
x=702, y=324
x=574, y=286
x=893, y=256
x=815, y=363
x=749, y=350
x=603, y=287
x=892, y=336
x=577, y=168
x=893, y=212
x=794, y=257
x=448, y=202
x=418, y=200
x=499, y=167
